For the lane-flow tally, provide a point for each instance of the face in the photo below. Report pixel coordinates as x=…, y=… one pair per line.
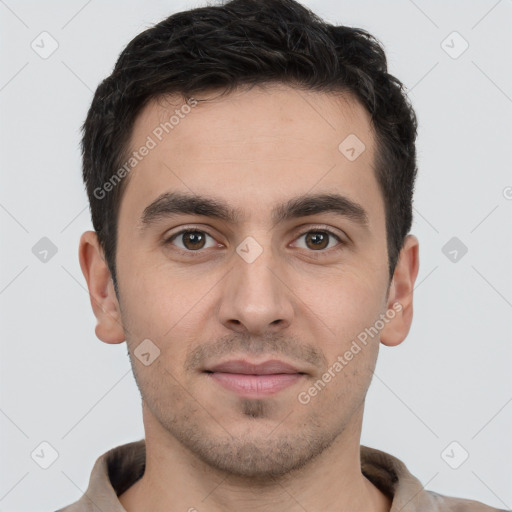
x=285, y=260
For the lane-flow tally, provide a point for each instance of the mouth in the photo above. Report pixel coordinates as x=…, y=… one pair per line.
x=254, y=380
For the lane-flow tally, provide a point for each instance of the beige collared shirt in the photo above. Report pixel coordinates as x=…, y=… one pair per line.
x=119, y=468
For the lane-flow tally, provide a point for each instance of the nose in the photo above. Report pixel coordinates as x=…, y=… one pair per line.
x=256, y=298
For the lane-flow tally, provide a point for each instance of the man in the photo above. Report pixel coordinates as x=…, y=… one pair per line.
x=250, y=171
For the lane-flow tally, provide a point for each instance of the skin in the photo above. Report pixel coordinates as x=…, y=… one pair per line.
x=207, y=447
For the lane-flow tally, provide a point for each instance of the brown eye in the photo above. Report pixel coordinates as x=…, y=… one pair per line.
x=319, y=240
x=191, y=239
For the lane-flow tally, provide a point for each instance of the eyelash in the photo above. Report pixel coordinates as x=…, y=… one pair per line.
x=340, y=246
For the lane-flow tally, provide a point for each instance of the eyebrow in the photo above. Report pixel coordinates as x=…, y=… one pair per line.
x=171, y=204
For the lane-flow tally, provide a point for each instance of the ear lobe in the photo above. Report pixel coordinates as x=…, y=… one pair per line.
x=105, y=306
x=400, y=297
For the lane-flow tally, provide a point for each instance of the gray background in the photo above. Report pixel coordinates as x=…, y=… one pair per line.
x=449, y=381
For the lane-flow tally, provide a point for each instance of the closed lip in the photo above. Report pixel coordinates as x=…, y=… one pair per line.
x=241, y=366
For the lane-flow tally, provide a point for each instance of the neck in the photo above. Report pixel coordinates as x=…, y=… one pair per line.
x=332, y=482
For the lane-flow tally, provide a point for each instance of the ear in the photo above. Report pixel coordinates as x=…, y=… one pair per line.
x=401, y=294
x=104, y=302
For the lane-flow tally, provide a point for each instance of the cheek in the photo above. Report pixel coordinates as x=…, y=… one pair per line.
x=346, y=302
x=162, y=390
x=169, y=313
x=333, y=397
x=158, y=301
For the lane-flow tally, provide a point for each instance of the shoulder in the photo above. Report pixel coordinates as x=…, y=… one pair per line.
x=113, y=472
x=452, y=504
x=393, y=478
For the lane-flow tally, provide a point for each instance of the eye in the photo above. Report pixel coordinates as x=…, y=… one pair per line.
x=191, y=239
x=319, y=239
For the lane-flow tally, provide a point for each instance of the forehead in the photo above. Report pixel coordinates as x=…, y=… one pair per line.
x=252, y=148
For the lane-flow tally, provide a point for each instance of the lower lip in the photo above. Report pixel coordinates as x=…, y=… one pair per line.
x=255, y=385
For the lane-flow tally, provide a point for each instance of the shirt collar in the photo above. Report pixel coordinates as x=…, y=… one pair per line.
x=119, y=468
